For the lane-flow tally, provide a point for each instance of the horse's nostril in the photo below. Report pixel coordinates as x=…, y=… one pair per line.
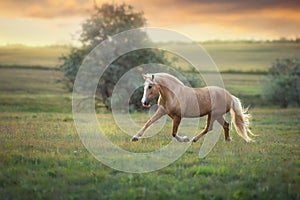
x=147, y=102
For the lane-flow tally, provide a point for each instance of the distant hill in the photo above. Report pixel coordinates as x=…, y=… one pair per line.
x=20, y=55
x=229, y=56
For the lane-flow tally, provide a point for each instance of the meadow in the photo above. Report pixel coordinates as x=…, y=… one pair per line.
x=42, y=156
x=20, y=55
x=244, y=56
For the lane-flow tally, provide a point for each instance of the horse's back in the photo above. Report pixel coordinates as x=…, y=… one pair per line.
x=213, y=99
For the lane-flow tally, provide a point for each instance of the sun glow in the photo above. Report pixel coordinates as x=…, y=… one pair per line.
x=52, y=22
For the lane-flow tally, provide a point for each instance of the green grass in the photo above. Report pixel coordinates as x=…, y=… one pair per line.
x=17, y=55
x=240, y=56
x=30, y=81
x=244, y=56
x=243, y=84
x=32, y=90
x=250, y=56
x=42, y=156
x=236, y=56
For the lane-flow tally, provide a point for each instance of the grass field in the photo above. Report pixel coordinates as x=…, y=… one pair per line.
x=36, y=90
x=236, y=56
x=244, y=56
x=250, y=56
x=16, y=55
x=42, y=157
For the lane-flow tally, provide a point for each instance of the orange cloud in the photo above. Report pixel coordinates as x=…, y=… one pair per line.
x=273, y=22
x=261, y=19
x=44, y=8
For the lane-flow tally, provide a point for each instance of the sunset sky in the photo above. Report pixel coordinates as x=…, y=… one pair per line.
x=46, y=22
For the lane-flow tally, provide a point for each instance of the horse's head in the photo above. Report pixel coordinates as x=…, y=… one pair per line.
x=150, y=89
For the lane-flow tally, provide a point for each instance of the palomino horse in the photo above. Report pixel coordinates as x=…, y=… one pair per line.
x=180, y=101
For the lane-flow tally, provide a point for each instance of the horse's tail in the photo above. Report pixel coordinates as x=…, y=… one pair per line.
x=240, y=119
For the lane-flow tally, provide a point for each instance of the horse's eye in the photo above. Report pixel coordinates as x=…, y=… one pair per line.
x=149, y=87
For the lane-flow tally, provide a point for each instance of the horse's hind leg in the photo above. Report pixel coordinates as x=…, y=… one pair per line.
x=208, y=127
x=225, y=125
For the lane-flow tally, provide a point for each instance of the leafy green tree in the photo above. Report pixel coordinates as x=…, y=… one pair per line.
x=108, y=20
x=283, y=84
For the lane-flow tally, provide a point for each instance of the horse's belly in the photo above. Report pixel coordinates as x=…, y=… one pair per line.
x=192, y=110
x=193, y=113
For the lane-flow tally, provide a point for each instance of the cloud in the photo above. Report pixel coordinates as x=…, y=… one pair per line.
x=264, y=17
x=56, y=8
x=44, y=8
x=272, y=17
x=228, y=6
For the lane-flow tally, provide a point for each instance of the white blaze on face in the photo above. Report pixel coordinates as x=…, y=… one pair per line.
x=145, y=94
x=146, y=100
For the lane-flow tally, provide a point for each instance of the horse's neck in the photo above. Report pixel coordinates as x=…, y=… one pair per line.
x=169, y=87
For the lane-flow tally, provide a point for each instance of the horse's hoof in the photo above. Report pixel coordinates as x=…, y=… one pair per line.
x=134, y=139
x=194, y=140
x=185, y=139
x=228, y=139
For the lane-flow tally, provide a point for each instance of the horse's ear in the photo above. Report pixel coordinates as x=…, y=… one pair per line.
x=152, y=77
x=144, y=76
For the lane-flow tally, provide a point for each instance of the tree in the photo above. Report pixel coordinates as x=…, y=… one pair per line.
x=108, y=20
x=283, y=84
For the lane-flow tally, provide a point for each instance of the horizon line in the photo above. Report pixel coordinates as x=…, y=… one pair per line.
x=281, y=39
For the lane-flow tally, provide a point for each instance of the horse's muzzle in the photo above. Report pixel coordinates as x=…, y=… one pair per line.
x=146, y=103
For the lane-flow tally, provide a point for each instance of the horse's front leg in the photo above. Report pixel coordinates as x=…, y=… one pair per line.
x=157, y=115
x=176, y=122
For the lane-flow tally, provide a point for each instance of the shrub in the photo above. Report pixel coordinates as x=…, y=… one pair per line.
x=283, y=83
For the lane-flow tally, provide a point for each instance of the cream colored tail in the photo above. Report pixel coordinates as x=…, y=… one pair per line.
x=240, y=119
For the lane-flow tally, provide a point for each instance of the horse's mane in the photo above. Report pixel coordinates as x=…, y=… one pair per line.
x=168, y=76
